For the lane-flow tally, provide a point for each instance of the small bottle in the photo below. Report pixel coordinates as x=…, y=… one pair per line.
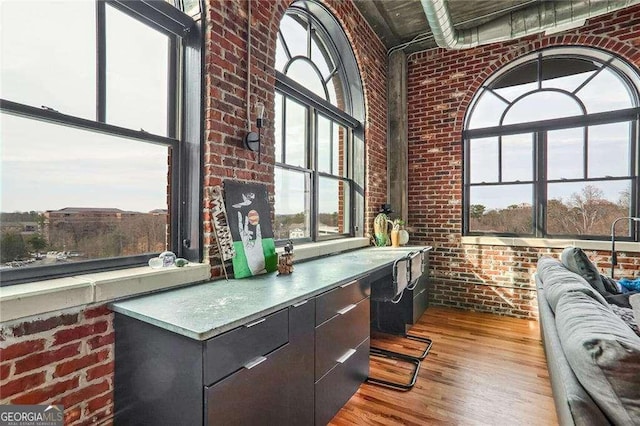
x=168, y=258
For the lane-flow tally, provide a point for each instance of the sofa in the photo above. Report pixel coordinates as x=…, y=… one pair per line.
x=593, y=355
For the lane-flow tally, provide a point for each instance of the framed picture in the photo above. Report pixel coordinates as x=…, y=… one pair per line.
x=249, y=219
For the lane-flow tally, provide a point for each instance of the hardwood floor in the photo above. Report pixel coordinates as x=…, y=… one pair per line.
x=482, y=369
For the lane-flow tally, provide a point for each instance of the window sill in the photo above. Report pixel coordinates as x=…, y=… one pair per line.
x=24, y=300
x=621, y=246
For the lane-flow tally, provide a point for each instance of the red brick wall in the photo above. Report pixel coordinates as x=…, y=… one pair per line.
x=441, y=84
x=61, y=359
x=225, y=95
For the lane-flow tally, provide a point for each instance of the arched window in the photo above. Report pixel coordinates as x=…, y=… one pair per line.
x=551, y=147
x=319, y=145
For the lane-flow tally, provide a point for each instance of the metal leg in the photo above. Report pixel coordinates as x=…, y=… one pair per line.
x=426, y=340
x=400, y=357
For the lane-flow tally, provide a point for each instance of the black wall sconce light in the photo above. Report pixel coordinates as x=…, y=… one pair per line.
x=252, y=139
x=614, y=257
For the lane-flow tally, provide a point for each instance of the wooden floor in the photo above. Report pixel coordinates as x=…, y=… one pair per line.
x=483, y=369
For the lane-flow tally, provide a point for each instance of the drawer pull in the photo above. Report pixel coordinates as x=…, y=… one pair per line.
x=256, y=322
x=346, y=356
x=348, y=284
x=422, y=291
x=254, y=362
x=346, y=309
x=300, y=303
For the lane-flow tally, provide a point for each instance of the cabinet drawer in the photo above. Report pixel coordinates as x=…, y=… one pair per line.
x=330, y=303
x=230, y=351
x=338, y=336
x=254, y=395
x=419, y=304
x=335, y=389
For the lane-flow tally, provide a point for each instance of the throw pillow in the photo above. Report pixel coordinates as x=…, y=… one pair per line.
x=558, y=280
x=603, y=353
x=610, y=285
x=576, y=260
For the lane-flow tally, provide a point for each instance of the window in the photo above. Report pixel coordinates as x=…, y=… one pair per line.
x=92, y=147
x=319, y=147
x=551, y=148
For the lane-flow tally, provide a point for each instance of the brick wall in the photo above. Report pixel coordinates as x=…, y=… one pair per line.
x=441, y=85
x=225, y=96
x=64, y=358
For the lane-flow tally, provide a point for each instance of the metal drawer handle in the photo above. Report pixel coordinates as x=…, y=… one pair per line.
x=256, y=322
x=346, y=309
x=422, y=291
x=254, y=362
x=348, y=284
x=300, y=303
x=346, y=356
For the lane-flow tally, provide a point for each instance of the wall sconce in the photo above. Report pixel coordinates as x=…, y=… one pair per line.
x=252, y=139
x=614, y=258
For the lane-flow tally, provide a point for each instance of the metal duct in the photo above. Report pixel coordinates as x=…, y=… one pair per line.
x=550, y=16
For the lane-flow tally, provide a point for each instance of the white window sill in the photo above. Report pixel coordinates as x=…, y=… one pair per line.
x=25, y=300
x=621, y=246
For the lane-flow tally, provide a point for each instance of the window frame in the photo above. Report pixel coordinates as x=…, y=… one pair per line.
x=184, y=134
x=539, y=130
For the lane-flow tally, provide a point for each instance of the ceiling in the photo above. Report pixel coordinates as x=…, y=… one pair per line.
x=400, y=21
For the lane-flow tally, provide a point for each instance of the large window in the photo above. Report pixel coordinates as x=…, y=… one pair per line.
x=92, y=142
x=319, y=148
x=551, y=147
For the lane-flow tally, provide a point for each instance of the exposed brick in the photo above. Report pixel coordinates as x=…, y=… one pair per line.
x=5, y=370
x=71, y=415
x=21, y=348
x=67, y=335
x=38, y=360
x=97, y=311
x=22, y=384
x=100, y=371
x=41, y=395
x=70, y=366
x=38, y=326
x=85, y=393
x=100, y=402
x=98, y=341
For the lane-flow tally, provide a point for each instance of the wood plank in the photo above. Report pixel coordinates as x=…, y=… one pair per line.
x=482, y=369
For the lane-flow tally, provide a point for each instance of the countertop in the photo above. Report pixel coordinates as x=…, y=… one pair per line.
x=205, y=310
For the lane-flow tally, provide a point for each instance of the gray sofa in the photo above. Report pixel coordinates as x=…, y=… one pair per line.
x=593, y=357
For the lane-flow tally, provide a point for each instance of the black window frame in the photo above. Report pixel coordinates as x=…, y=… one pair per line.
x=184, y=130
x=539, y=130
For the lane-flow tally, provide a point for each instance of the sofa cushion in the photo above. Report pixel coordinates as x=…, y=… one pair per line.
x=557, y=280
x=604, y=354
x=576, y=260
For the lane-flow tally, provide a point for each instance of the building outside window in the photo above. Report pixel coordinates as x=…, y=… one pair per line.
x=91, y=127
x=551, y=147
x=319, y=146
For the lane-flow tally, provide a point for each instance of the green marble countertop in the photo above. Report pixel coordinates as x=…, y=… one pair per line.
x=205, y=310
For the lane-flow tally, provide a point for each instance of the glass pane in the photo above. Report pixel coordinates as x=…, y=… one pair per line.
x=566, y=74
x=291, y=207
x=542, y=106
x=277, y=127
x=587, y=208
x=324, y=144
x=334, y=88
x=501, y=209
x=515, y=83
x=137, y=74
x=483, y=154
x=565, y=154
x=334, y=210
x=339, y=151
x=97, y=195
x=487, y=111
x=48, y=55
x=517, y=158
x=606, y=92
x=358, y=161
x=295, y=36
x=610, y=150
x=304, y=73
x=281, y=56
x=295, y=134
x=320, y=57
